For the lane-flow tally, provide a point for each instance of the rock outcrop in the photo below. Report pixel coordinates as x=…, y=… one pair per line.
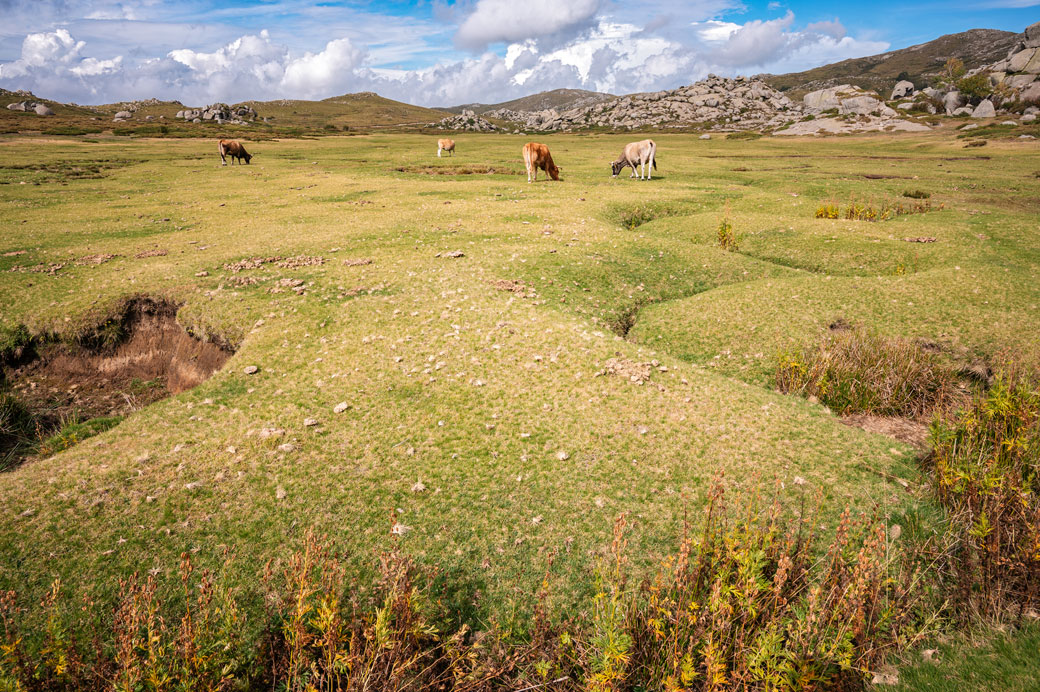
x=467, y=121
x=220, y=113
x=30, y=107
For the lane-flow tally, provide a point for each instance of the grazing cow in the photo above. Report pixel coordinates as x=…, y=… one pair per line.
x=537, y=156
x=229, y=147
x=637, y=154
x=445, y=145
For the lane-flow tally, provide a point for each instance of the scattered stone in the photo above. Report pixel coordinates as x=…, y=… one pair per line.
x=287, y=447
x=562, y=455
x=453, y=254
x=634, y=372
x=922, y=239
x=705, y=136
x=267, y=433
x=419, y=487
x=279, y=493
x=356, y=262
x=202, y=273
x=251, y=370
x=399, y=529
x=340, y=407
x=930, y=655
x=310, y=422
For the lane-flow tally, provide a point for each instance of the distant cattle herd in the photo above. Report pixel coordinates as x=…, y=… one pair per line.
x=637, y=155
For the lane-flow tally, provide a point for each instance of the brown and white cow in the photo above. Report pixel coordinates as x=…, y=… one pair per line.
x=635, y=154
x=229, y=147
x=537, y=156
x=445, y=145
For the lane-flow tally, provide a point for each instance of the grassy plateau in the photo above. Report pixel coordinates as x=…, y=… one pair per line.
x=473, y=325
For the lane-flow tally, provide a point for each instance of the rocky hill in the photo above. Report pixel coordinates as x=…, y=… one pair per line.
x=557, y=99
x=712, y=103
x=919, y=64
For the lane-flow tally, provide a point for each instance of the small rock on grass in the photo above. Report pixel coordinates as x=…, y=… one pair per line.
x=340, y=407
x=287, y=447
x=280, y=493
x=251, y=370
x=562, y=455
x=419, y=487
x=400, y=529
x=310, y=422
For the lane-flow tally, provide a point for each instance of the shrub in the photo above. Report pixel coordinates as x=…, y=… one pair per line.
x=985, y=464
x=756, y=597
x=725, y=237
x=976, y=87
x=857, y=371
x=916, y=194
x=858, y=211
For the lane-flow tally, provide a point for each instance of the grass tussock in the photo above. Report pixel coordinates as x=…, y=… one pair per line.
x=856, y=211
x=985, y=469
x=858, y=371
x=916, y=194
x=746, y=602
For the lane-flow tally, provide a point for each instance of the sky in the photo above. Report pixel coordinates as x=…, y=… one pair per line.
x=441, y=52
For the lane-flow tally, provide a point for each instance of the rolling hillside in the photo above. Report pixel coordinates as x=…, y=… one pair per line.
x=881, y=72
x=559, y=99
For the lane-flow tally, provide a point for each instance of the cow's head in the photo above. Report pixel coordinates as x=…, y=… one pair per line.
x=615, y=168
x=553, y=171
x=248, y=158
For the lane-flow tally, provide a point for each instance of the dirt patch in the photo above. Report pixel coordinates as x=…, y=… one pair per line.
x=459, y=170
x=514, y=286
x=132, y=360
x=912, y=432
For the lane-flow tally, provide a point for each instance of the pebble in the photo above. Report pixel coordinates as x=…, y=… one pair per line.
x=251, y=370
x=340, y=407
x=310, y=422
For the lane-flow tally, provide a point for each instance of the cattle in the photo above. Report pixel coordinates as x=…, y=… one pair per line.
x=637, y=154
x=537, y=156
x=229, y=147
x=445, y=145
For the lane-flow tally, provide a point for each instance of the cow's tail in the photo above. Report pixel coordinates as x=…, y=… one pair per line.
x=653, y=155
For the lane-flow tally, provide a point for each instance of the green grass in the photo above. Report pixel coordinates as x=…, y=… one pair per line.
x=477, y=391
x=1004, y=663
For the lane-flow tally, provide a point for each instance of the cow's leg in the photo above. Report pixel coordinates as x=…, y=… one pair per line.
x=650, y=165
x=438, y=152
x=223, y=161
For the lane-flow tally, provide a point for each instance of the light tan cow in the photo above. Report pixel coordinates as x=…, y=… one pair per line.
x=537, y=156
x=445, y=145
x=635, y=154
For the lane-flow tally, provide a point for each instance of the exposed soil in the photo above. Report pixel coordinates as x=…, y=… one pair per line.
x=912, y=432
x=152, y=358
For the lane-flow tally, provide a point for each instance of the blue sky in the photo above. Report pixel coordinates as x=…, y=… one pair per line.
x=440, y=53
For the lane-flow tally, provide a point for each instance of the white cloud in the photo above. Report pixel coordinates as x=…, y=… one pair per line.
x=510, y=21
x=582, y=50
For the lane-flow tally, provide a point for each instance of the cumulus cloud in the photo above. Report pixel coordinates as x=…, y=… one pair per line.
x=577, y=46
x=509, y=21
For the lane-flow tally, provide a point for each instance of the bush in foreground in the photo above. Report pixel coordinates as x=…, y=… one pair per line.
x=755, y=598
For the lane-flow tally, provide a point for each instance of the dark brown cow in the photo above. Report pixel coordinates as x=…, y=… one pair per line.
x=537, y=156
x=229, y=147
